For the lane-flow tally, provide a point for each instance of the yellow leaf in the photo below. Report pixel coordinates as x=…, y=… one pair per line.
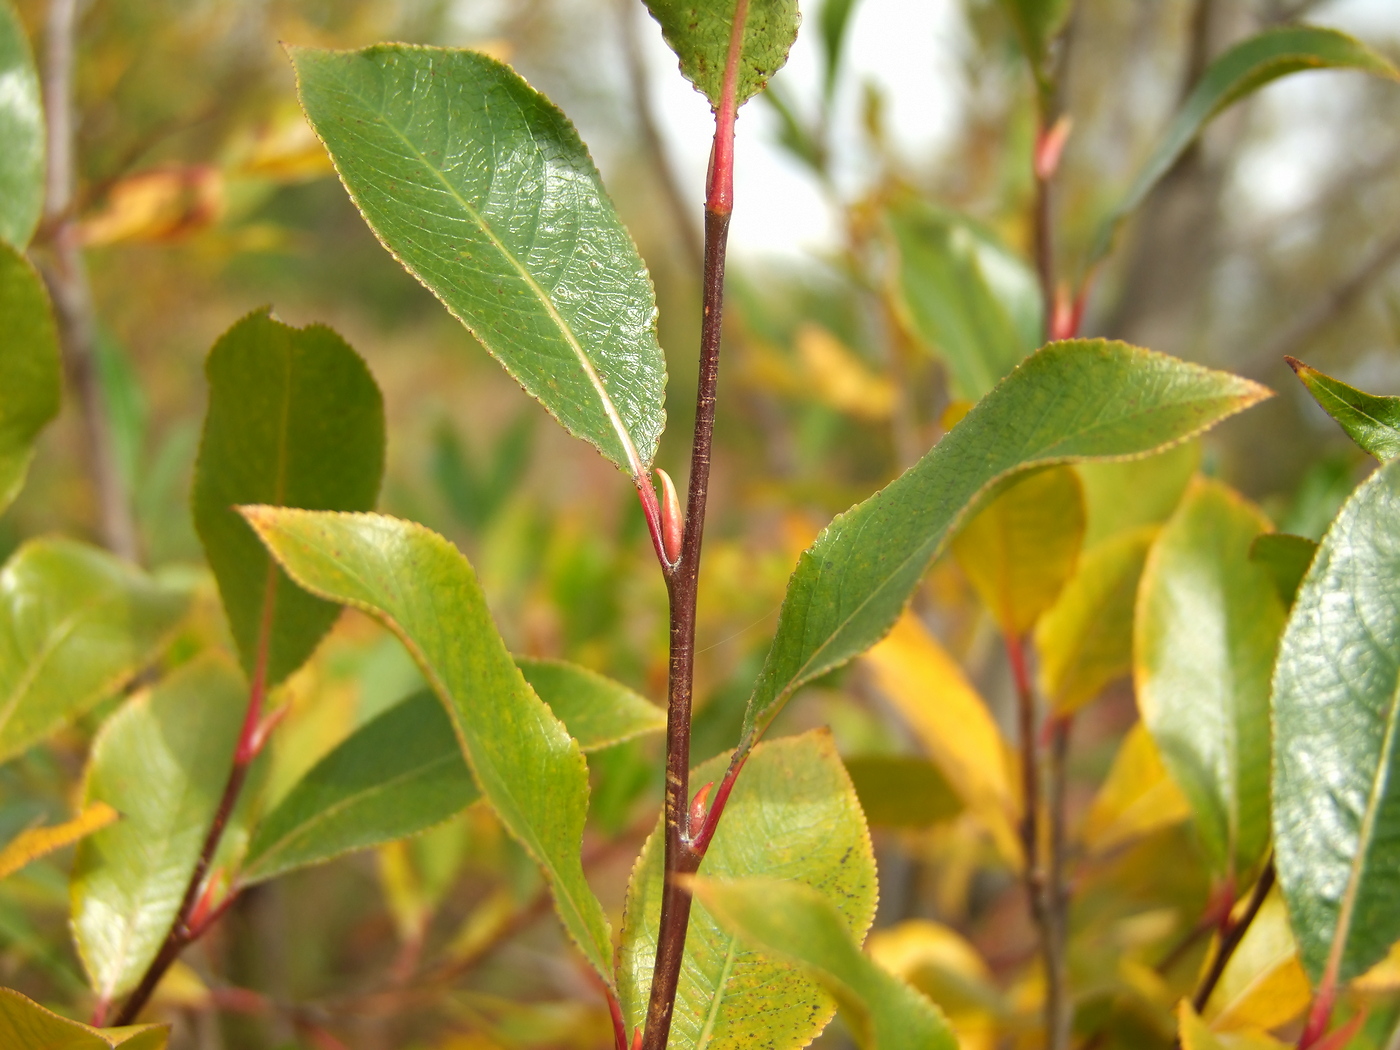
x=946, y=968
x=1130, y=493
x=158, y=205
x=952, y=723
x=1382, y=978
x=1085, y=640
x=1022, y=547
x=1196, y=1035
x=840, y=378
x=1264, y=985
x=36, y=842
x=1137, y=798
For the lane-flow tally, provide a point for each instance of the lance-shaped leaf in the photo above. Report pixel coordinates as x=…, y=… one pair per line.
x=699, y=32
x=1207, y=628
x=833, y=23
x=793, y=815
x=969, y=298
x=1019, y=550
x=33, y=843
x=521, y=756
x=1037, y=23
x=295, y=419
x=1074, y=400
x=22, y=132
x=30, y=374
x=1239, y=72
x=403, y=772
x=1263, y=986
x=1085, y=641
x=75, y=625
x=795, y=922
x=482, y=189
x=25, y=1025
x=1336, y=708
x=1373, y=422
x=161, y=762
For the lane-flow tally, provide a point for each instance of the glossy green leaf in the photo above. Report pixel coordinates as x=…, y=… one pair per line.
x=1286, y=559
x=1371, y=421
x=1336, y=706
x=1207, y=629
x=403, y=772
x=795, y=922
x=161, y=762
x=793, y=815
x=1085, y=641
x=597, y=711
x=1022, y=547
x=294, y=419
x=25, y=1025
x=1239, y=72
x=1126, y=494
x=699, y=32
x=75, y=625
x=31, y=377
x=22, y=132
x=969, y=298
x=482, y=189
x=522, y=758
x=1073, y=400
x=902, y=791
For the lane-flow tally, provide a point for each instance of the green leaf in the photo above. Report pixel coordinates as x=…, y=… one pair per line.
x=403, y=772
x=1022, y=547
x=597, y=711
x=902, y=791
x=22, y=132
x=482, y=189
x=969, y=298
x=1239, y=72
x=1127, y=494
x=31, y=377
x=1037, y=23
x=1286, y=559
x=75, y=625
x=795, y=922
x=1073, y=400
x=699, y=32
x=25, y=1025
x=834, y=20
x=522, y=758
x=294, y=419
x=793, y=815
x=1372, y=422
x=1336, y=706
x=161, y=762
x=1208, y=624
x=1085, y=641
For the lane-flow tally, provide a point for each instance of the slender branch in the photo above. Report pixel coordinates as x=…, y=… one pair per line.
x=65, y=273
x=1056, y=888
x=187, y=928
x=682, y=852
x=1232, y=933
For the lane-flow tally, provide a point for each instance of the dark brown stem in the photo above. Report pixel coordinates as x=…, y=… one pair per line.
x=65, y=274
x=682, y=851
x=1231, y=934
x=184, y=931
x=1056, y=890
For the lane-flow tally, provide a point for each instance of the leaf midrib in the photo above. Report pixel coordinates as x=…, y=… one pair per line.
x=634, y=461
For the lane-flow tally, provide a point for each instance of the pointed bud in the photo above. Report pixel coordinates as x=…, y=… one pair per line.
x=672, y=524
x=698, y=808
x=637, y=1039
x=1067, y=315
x=258, y=740
x=1050, y=146
x=204, y=905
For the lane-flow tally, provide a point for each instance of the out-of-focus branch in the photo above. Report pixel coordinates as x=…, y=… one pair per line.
x=1328, y=307
x=65, y=273
x=652, y=142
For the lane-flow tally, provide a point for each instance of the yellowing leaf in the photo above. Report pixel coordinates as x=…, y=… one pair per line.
x=1383, y=977
x=944, y=966
x=952, y=723
x=158, y=205
x=36, y=842
x=840, y=378
x=1020, y=549
x=1264, y=985
x=1197, y=1035
x=1085, y=641
x=1125, y=494
x=25, y=1025
x=1137, y=799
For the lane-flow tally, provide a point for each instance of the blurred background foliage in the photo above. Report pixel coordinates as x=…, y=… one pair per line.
x=203, y=195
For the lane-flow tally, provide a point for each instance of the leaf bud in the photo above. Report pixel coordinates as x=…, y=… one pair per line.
x=672, y=524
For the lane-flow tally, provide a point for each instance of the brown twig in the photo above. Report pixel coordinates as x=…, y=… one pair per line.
x=1231, y=935
x=65, y=274
x=684, y=848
